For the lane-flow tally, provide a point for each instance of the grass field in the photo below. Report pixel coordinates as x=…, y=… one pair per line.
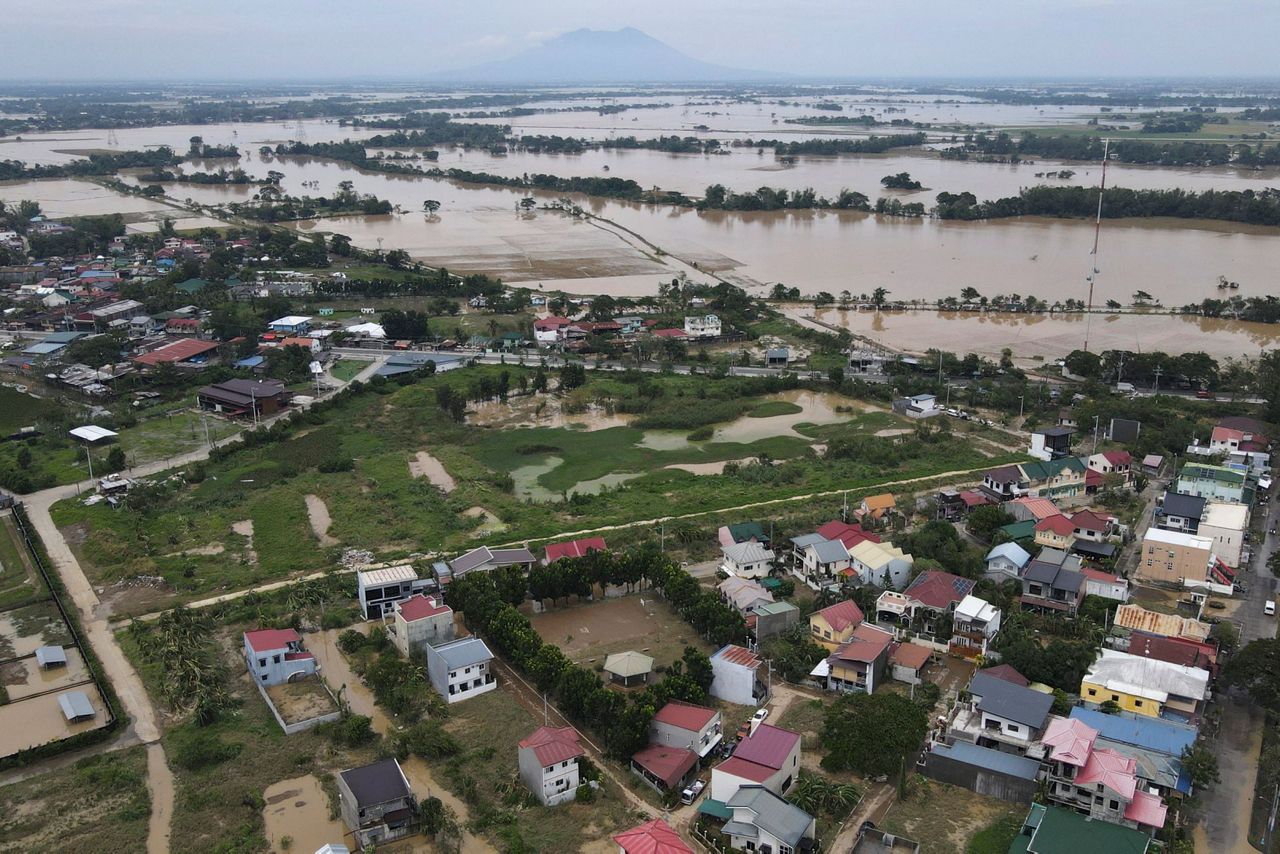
x=18, y=410
x=770, y=408
x=947, y=819
x=346, y=369
x=100, y=803
x=1229, y=132
x=18, y=579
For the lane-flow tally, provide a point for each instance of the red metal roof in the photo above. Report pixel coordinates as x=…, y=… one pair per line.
x=842, y=615
x=669, y=333
x=652, y=837
x=553, y=744
x=419, y=607
x=867, y=644
x=551, y=322
x=1060, y=525
x=1111, y=769
x=1008, y=674
x=176, y=351
x=668, y=764
x=297, y=656
x=265, y=640
x=735, y=654
x=848, y=534
x=1118, y=458
x=747, y=770
x=685, y=715
x=575, y=548
x=1183, y=651
x=1146, y=808
x=939, y=590
x=768, y=746
x=1091, y=521
x=909, y=655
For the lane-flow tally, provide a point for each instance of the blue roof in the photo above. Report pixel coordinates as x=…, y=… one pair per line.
x=404, y=363
x=1011, y=551
x=251, y=361
x=1150, y=733
x=992, y=760
x=44, y=348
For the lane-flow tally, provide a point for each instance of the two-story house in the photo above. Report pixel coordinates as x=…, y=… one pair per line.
x=548, y=760
x=1146, y=686
x=975, y=624
x=1005, y=562
x=769, y=757
x=1174, y=557
x=1119, y=463
x=747, y=560
x=705, y=326
x=738, y=676
x=1002, y=715
x=1215, y=483
x=421, y=621
x=276, y=655
x=760, y=821
x=687, y=726
x=817, y=561
x=1179, y=512
x=1094, y=780
x=1225, y=526
x=834, y=624
x=652, y=837
x=932, y=597
x=1055, y=532
x=859, y=664
x=743, y=594
x=1059, y=478
x=377, y=803
x=379, y=589
x=1051, y=443
x=880, y=564
x=460, y=669
x=1005, y=483
x=1053, y=584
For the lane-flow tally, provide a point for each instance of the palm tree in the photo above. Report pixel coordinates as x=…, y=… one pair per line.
x=431, y=206
x=878, y=296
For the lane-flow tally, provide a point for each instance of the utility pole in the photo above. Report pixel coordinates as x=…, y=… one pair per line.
x=89, y=457
x=1022, y=402
x=1158, y=371
x=1095, y=434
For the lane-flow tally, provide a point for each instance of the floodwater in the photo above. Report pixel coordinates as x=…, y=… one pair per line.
x=1052, y=336
x=298, y=809
x=24, y=630
x=523, y=412
x=26, y=677
x=815, y=408
x=70, y=197
x=423, y=464
x=528, y=487
x=38, y=720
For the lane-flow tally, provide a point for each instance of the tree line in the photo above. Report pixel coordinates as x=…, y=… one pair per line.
x=1002, y=146
x=1256, y=207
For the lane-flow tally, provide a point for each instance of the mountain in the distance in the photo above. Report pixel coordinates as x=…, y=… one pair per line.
x=602, y=56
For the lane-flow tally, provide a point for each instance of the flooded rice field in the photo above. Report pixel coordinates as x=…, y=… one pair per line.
x=70, y=197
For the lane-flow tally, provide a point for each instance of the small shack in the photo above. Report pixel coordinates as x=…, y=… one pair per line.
x=628, y=668
x=76, y=706
x=50, y=657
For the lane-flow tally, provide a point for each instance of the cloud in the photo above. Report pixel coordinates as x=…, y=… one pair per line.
x=540, y=36
x=492, y=41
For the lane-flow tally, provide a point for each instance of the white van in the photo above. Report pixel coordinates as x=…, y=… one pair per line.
x=1270, y=608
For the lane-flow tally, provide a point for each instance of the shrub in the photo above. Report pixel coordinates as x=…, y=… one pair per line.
x=585, y=794
x=352, y=731
x=194, y=749
x=702, y=434
x=337, y=464
x=351, y=641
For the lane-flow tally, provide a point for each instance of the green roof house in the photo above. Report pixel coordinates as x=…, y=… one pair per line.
x=1054, y=830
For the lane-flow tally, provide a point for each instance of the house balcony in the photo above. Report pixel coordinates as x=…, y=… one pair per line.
x=1060, y=605
x=966, y=725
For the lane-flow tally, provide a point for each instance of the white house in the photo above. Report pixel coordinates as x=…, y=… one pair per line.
x=707, y=326
x=975, y=623
x=919, y=406
x=1225, y=524
x=276, y=655
x=460, y=669
x=747, y=560
x=881, y=564
x=744, y=594
x=762, y=821
x=1006, y=561
x=1106, y=585
x=686, y=726
x=293, y=324
x=379, y=589
x=549, y=764
x=421, y=621
x=738, y=676
x=819, y=561
x=769, y=757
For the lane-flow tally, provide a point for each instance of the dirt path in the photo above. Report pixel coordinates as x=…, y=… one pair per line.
x=423, y=464
x=318, y=513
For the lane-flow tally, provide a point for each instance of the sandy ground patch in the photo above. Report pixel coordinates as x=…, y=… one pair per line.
x=244, y=528
x=318, y=513
x=301, y=700
x=209, y=550
x=893, y=431
x=491, y=524
x=423, y=464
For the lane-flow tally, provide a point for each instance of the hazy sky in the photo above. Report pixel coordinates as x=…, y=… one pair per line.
x=291, y=39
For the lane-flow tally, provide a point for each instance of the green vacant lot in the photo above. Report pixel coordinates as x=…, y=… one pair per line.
x=246, y=519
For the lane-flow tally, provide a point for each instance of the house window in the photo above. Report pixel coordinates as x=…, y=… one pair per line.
x=1115, y=698
x=1097, y=799
x=1115, y=805
x=262, y=662
x=1093, y=692
x=1014, y=728
x=1138, y=703
x=275, y=659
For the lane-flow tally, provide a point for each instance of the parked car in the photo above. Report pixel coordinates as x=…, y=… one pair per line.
x=744, y=731
x=727, y=750
x=760, y=715
x=1204, y=394
x=690, y=794
x=1270, y=608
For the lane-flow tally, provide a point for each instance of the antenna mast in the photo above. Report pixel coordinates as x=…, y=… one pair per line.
x=1097, y=233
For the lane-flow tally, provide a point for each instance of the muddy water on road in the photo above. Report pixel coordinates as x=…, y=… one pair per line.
x=298, y=809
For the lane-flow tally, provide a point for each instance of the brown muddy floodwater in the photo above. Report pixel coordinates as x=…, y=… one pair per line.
x=1052, y=336
x=297, y=816
x=38, y=720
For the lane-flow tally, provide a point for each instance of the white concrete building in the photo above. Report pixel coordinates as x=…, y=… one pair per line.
x=881, y=564
x=275, y=656
x=549, y=764
x=686, y=726
x=706, y=326
x=1225, y=524
x=747, y=560
x=460, y=669
x=738, y=676
x=421, y=621
x=379, y=589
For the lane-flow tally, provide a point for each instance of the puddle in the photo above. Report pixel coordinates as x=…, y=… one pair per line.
x=160, y=784
x=815, y=408
x=297, y=816
x=318, y=513
x=543, y=411
x=526, y=480
x=24, y=630
x=708, y=468
x=491, y=524
x=423, y=464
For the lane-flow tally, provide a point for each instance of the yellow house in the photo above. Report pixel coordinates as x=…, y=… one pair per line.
x=1055, y=532
x=835, y=624
x=1145, y=686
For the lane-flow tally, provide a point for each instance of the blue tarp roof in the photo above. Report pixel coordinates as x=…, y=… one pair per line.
x=993, y=760
x=251, y=361
x=1151, y=733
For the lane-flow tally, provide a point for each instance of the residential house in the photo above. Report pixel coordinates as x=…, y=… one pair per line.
x=686, y=726
x=420, y=621
x=1139, y=619
x=1095, y=780
x=764, y=822
x=244, y=398
x=376, y=803
x=181, y=326
x=1005, y=483
x=1055, y=532
x=1182, y=651
x=275, y=656
x=1006, y=561
x=377, y=590
x=652, y=837
x=918, y=406
x=1035, y=509
x=574, y=549
x=1246, y=446
x=738, y=676
x=1008, y=674
x=1157, y=744
x=859, y=664
x=1118, y=463
x=768, y=757
x=1059, y=478
x=707, y=326
x=834, y=624
x=819, y=562
x=547, y=330
x=1051, y=443
x=746, y=560
x=876, y=506
x=1179, y=512
x=975, y=624
x=485, y=559
x=772, y=618
x=1225, y=525
x=1173, y=557
x=930, y=597
x=954, y=504
x=1146, y=686
x=1049, y=584
x=777, y=357
x=1215, y=483
x=848, y=533
x=292, y=324
x=1092, y=526
x=743, y=594
x=548, y=760
x=1106, y=585
x=1050, y=829
x=742, y=532
x=880, y=564
x=666, y=769
x=460, y=669
x=1000, y=714
x=185, y=354
x=908, y=661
